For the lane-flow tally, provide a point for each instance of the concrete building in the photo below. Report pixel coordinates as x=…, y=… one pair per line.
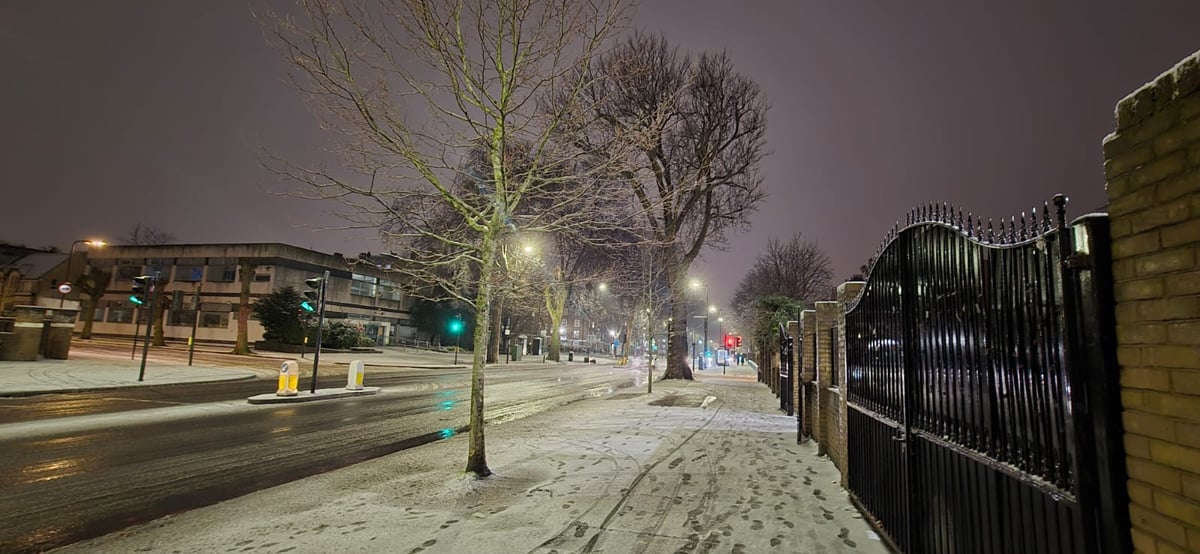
x=209, y=288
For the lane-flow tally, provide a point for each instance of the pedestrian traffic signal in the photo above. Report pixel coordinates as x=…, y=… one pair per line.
x=312, y=297
x=729, y=341
x=739, y=341
x=141, y=289
x=455, y=326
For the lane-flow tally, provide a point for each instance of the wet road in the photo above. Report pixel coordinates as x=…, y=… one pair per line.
x=132, y=455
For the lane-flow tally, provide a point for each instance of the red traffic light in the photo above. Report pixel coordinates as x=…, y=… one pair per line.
x=739, y=341
x=728, y=341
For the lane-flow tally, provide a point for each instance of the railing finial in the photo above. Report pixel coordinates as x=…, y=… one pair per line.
x=1060, y=204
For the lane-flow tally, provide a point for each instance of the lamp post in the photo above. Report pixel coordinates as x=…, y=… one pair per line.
x=65, y=287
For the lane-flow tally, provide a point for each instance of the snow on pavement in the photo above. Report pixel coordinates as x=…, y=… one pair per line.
x=630, y=473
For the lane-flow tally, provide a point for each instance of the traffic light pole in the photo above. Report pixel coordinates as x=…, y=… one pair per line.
x=320, y=324
x=149, y=324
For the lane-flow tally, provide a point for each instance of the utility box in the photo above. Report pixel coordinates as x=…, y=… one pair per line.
x=59, y=332
x=26, y=340
x=515, y=352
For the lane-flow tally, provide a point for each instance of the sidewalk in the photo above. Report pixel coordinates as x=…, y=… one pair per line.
x=84, y=372
x=630, y=473
x=89, y=369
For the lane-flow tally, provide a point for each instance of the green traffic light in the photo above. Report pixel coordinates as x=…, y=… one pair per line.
x=137, y=300
x=307, y=306
x=456, y=326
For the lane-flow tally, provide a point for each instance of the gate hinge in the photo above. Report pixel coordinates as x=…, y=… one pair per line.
x=1079, y=261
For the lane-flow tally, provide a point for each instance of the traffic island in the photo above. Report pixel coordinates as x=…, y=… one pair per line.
x=305, y=396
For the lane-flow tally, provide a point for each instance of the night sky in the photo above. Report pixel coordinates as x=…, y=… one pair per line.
x=116, y=112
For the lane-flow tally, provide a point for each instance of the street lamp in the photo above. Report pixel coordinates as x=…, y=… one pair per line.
x=65, y=287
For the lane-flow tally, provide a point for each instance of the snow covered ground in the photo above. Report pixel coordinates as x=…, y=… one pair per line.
x=629, y=473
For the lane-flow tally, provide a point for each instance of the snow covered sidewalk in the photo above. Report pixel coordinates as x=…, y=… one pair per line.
x=631, y=473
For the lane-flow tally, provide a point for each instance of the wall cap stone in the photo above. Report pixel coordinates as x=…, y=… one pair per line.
x=1154, y=96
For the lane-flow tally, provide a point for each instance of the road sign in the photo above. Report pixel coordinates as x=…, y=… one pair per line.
x=65, y=288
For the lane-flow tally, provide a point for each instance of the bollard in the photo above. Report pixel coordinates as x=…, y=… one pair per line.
x=289, y=378
x=354, y=377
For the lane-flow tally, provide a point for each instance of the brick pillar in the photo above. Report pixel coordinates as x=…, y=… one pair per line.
x=808, y=324
x=847, y=293
x=826, y=320
x=1152, y=165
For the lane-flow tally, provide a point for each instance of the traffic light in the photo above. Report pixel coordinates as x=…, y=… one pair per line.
x=141, y=289
x=455, y=326
x=312, y=297
x=728, y=341
x=739, y=341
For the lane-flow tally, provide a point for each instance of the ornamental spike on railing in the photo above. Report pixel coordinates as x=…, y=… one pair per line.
x=1046, y=224
x=1024, y=230
x=991, y=236
x=1060, y=205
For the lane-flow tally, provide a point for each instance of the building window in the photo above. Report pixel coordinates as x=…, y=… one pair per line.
x=128, y=269
x=576, y=323
x=98, y=314
x=181, y=318
x=389, y=290
x=222, y=270
x=214, y=315
x=262, y=277
x=189, y=270
x=362, y=285
x=160, y=266
x=119, y=313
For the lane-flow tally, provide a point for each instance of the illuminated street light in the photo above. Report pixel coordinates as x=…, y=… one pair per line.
x=65, y=287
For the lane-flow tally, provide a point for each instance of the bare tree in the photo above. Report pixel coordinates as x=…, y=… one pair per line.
x=411, y=86
x=796, y=269
x=695, y=129
x=92, y=283
x=246, y=270
x=142, y=234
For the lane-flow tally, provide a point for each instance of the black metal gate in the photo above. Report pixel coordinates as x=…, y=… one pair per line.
x=983, y=402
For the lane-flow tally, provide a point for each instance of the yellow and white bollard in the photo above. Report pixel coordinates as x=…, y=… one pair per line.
x=354, y=378
x=289, y=379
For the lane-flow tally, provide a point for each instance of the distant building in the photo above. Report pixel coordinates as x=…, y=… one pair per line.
x=206, y=276
x=29, y=273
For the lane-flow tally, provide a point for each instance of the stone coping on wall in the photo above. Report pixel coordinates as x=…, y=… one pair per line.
x=1157, y=95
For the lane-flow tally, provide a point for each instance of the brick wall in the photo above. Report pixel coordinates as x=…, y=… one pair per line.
x=808, y=322
x=846, y=294
x=1152, y=165
x=827, y=401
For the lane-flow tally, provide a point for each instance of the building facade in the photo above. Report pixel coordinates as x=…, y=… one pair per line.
x=202, y=287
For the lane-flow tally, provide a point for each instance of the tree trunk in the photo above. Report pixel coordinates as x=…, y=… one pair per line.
x=93, y=283
x=89, y=314
x=677, y=341
x=494, y=345
x=160, y=314
x=626, y=350
x=476, y=451
x=556, y=303
x=246, y=277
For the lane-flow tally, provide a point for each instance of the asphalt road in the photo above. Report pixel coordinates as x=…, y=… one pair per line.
x=82, y=465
